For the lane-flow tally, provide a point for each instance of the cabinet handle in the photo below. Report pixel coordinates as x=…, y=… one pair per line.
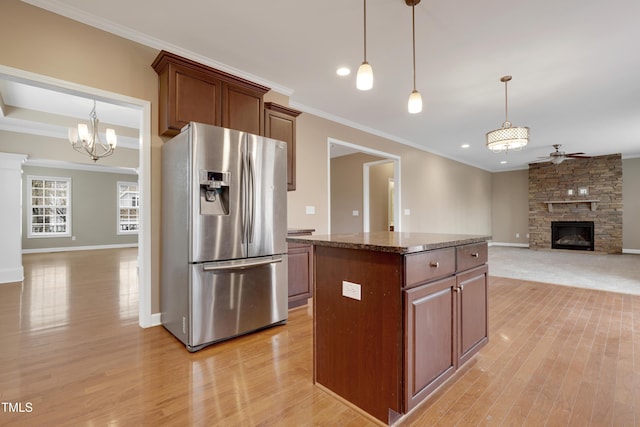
x=434, y=264
x=461, y=288
x=456, y=289
x=475, y=255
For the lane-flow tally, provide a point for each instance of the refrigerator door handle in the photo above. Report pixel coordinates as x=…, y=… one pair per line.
x=243, y=195
x=252, y=196
x=240, y=266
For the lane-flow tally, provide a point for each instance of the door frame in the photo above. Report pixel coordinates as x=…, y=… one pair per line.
x=145, y=317
x=397, y=169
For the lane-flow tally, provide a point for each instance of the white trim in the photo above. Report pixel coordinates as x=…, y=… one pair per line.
x=155, y=320
x=12, y=161
x=61, y=164
x=144, y=169
x=514, y=245
x=79, y=248
x=11, y=275
x=631, y=251
x=397, y=172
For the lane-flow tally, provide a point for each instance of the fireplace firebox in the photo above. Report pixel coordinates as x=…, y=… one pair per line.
x=574, y=235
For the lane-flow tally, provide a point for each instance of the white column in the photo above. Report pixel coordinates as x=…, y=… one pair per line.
x=11, y=269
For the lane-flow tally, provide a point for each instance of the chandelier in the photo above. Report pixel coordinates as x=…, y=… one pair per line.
x=415, y=99
x=507, y=137
x=87, y=141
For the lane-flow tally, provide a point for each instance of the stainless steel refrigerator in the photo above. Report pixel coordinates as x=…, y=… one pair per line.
x=224, y=226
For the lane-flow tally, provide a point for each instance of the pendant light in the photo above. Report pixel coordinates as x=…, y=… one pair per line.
x=507, y=137
x=364, y=79
x=415, y=99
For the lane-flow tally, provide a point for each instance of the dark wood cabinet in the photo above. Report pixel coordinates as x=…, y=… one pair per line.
x=472, y=308
x=445, y=320
x=280, y=123
x=190, y=91
x=300, y=262
x=430, y=332
x=390, y=328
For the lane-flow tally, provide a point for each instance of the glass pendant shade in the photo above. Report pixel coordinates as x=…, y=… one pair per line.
x=364, y=79
x=415, y=102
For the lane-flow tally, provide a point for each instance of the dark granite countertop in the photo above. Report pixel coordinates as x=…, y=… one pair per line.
x=397, y=242
x=291, y=231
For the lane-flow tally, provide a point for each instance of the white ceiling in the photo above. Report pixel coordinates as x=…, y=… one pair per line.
x=574, y=64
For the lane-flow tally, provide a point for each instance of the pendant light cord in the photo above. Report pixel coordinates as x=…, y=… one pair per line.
x=365, y=30
x=413, y=26
x=506, y=109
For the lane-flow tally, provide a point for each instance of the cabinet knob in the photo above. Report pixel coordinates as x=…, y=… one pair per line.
x=434, y=264
x=456, y=289
x=475, y=255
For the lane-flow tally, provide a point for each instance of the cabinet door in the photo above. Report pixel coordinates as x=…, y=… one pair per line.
x=283, y=127
x=300, y=274
x=242, y=109
x=472, y=309
x=192, y=96
x=430, y=325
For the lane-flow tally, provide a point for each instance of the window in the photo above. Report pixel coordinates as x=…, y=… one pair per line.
x=128, y=207
x=49, y=206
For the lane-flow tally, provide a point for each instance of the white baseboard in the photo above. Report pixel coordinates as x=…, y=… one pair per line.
x=155, y=319
x=11, y=275
x=515, y=245
x=631, y=251
x=78, y=248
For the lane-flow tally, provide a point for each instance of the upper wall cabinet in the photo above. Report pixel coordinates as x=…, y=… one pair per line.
x=194, y=92
x=280, y=123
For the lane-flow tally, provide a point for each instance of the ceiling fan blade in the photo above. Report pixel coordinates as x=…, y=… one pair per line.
x=573, y=154
x=577, y=156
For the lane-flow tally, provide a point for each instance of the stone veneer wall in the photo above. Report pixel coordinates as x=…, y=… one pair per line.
x=601, y=175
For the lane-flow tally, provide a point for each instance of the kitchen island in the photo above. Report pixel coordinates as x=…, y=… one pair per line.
x=395, y=314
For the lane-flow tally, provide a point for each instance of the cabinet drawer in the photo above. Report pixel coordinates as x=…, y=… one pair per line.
x=424, y=266
x=470, y=256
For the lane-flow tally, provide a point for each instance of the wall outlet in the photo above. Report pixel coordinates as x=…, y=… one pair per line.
x=517, y=235
x=407, y=212
x=310, y=210
x=351, y=290
x=355, y=213
x=527, y=235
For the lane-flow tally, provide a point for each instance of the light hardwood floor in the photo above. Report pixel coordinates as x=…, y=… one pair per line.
x=71, y=347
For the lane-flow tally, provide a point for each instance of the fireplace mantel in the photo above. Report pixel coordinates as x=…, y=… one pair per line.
x=550, y=203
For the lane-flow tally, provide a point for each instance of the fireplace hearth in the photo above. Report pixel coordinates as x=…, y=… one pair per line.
x=574, y=235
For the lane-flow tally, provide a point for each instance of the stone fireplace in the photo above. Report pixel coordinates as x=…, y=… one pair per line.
x=577, y=191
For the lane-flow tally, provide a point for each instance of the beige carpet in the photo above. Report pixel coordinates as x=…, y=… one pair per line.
x=616, y=273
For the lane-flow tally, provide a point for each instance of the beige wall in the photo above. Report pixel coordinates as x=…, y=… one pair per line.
x=510, y=206
x=94, y=209
x=631, y=204
x=443, y=195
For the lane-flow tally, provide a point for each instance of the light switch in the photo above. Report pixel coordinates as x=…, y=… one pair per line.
x=355, y=213
x=407, y=212
x=311, y=210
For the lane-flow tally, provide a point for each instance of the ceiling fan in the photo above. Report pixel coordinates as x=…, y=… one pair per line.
x=558, y=156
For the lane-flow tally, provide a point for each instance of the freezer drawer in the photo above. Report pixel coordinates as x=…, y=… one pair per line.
x=230, y=298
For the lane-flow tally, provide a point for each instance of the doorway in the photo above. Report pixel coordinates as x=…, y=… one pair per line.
x=145, y=317
x=353, y=170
